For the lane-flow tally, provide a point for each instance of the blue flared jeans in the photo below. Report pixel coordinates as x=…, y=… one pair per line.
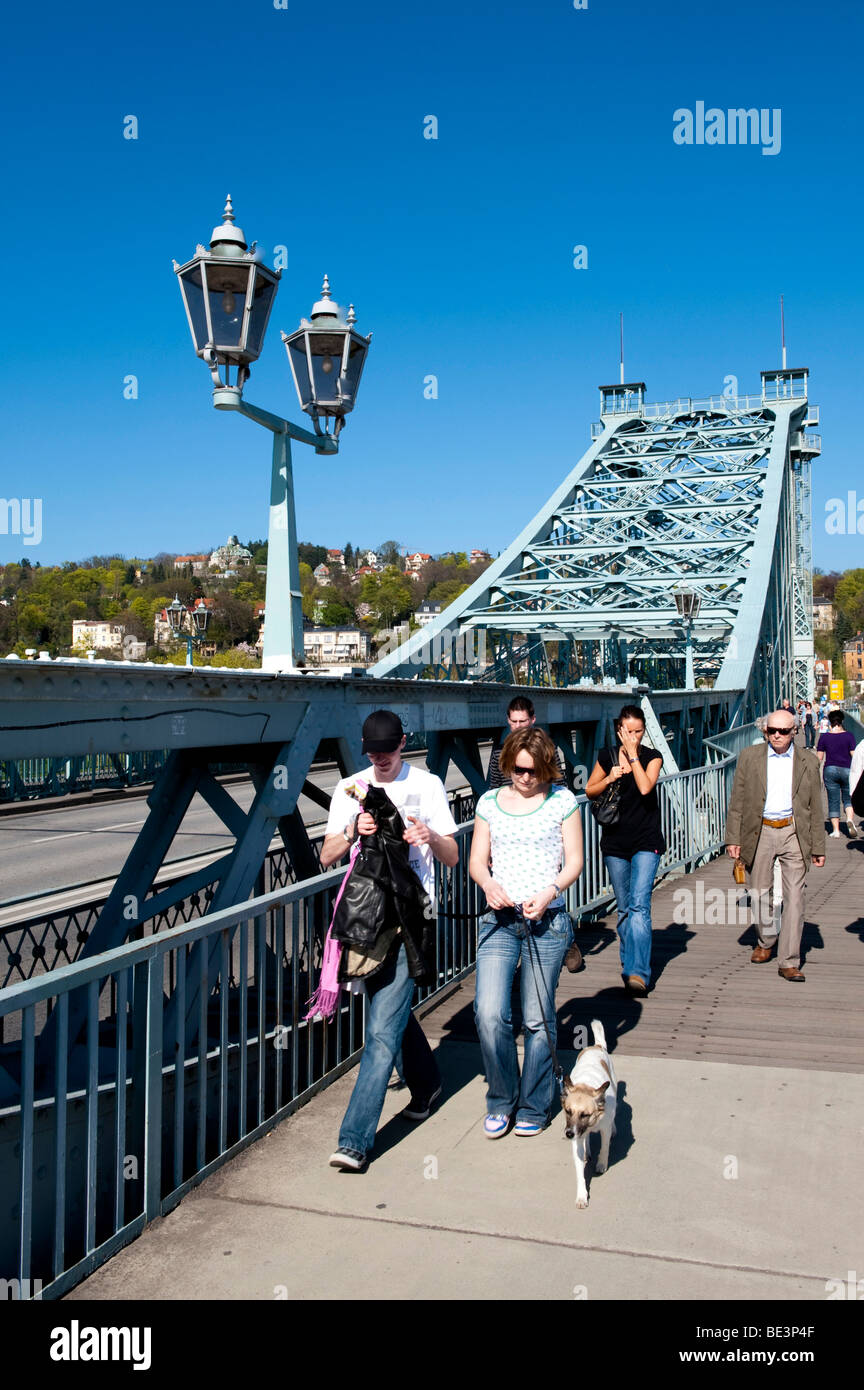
x=499, y=951
x=632, y=883
x=390, y=1025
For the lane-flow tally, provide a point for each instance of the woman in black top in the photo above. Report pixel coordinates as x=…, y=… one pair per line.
x=633, y=844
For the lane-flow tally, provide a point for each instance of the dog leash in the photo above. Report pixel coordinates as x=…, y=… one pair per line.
x=556, y=1064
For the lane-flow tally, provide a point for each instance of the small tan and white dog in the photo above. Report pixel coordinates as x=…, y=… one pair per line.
x=589, y=1101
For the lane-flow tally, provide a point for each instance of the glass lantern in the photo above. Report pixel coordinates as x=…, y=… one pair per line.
x=228, y=294
x=327, y=356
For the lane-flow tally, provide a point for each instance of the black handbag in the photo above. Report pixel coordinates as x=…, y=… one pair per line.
x=606, y=808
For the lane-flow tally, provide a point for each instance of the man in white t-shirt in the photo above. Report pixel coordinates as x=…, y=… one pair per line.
x=422, y=801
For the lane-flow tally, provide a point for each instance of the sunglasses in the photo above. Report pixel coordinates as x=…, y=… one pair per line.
x=780, y=731
x=523, y=771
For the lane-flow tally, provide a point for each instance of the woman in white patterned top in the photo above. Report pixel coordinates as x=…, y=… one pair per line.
x=526, y=851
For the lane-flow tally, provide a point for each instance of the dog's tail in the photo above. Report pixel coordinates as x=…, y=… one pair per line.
x=599, y=1035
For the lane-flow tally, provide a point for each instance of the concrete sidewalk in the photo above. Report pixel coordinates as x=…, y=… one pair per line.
x=724, y=1182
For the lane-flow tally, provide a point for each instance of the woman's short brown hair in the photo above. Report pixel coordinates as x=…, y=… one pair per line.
x=540, y=747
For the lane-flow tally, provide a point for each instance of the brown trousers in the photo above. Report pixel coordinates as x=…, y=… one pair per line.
x=781, y=845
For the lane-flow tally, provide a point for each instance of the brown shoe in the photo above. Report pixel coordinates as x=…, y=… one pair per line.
x=636, y=985
x=760, y=955
x=573, y=959
x=791, y=972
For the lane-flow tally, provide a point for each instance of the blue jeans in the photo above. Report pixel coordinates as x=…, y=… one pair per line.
x=499, y=951
x=390, y=1025
x=837, y=786
x=632, y=882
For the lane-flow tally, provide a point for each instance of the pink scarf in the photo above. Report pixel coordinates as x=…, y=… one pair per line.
x=326, y=997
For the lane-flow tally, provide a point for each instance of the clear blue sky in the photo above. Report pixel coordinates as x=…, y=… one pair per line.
x=555, y=129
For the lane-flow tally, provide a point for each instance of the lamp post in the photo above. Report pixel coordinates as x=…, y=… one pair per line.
x=688, y=604
x=200, y=617
x=228, y=293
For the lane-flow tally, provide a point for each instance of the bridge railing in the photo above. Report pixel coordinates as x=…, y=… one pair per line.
x=110, y=1129
x=41, y=939
x=30, y=778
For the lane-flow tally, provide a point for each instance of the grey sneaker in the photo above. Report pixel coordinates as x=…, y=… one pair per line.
x=350, y=1159
x=420, y=1109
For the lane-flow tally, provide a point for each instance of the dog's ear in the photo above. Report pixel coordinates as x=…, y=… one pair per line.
x=570, y=1085
x=600, y=1091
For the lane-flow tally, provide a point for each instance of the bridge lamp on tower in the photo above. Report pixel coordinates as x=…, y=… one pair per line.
x=688, y=604
x=228, y=294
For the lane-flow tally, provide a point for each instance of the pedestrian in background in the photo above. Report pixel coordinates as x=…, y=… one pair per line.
x=834, y=750
x=633, y=844
x=775, y=814
x=809, y=730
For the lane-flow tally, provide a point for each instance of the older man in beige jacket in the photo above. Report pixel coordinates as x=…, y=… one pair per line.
x=776, y=814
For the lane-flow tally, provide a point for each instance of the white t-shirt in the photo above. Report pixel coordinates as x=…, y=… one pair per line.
x=414, y=792
x=526, y=850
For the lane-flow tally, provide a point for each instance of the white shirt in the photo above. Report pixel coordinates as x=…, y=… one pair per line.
x=527, y=850
x=778, y=790
x=414, y=792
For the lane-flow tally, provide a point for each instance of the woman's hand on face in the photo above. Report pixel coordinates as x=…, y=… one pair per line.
x=495, y=895
x=629, y=742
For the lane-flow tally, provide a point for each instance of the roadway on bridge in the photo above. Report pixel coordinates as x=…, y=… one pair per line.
x=735, y=1172
x=44, y=853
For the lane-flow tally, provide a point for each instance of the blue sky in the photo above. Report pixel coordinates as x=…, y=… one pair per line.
x=554, y=129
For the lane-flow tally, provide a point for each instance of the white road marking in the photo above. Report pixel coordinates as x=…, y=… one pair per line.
x=94, y=830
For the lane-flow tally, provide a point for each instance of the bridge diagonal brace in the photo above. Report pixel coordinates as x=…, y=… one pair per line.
x=232, y=816
x=168, y=801
x=279, y=783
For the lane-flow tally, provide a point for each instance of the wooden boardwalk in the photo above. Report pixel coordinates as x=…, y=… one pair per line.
x=708, y=1002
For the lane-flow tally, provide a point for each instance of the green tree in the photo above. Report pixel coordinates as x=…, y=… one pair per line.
x=446, y=591
x=337, y=614
x=389, y=595
x=849, y=602
x=312, y=555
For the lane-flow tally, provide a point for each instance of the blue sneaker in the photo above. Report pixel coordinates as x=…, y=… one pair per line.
x=528, y=1127
x=496, y=1125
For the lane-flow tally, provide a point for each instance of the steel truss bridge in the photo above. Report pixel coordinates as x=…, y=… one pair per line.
x=710, y=494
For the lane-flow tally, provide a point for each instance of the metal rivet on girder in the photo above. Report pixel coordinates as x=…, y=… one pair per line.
x=125, y=740
x=124, y=712
x=47, y=683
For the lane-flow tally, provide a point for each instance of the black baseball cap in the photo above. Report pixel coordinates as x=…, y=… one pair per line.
x=382, y=732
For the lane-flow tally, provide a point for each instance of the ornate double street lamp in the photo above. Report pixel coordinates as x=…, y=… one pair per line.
x=200, y=615
x=228, y=293
x=688, y=604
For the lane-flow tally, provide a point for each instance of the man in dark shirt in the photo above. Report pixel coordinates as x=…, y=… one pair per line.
x=520, y=715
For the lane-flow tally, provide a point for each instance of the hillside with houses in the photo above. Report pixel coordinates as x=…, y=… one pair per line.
x=354, y=599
